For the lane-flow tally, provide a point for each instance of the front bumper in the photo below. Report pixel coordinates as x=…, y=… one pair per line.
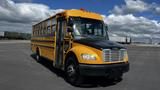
x=102, y=70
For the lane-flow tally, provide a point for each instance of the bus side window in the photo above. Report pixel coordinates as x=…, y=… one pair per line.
x=48, y=30
x=39, y=30
x=45, y=28
x=48, y=27
x=53, y=30
x=33, y=31
x=42, y=28
x=53, y=26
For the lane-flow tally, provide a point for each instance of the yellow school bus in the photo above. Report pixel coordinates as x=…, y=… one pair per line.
x=77, y=42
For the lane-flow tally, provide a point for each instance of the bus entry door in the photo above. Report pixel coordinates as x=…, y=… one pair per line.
x=59, y=43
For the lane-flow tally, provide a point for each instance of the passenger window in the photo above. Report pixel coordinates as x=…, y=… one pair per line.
x=54, y=21
x=48, y=30
x=53, y=29
x=48, y=23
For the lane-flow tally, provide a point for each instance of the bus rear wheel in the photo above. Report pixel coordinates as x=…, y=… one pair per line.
x=72, y=72
x=38, y=57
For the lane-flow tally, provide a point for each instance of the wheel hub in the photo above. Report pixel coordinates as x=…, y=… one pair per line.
x=37, y=57
x=70, y=70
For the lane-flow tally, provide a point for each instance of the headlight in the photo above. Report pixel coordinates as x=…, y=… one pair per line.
x=88, y=57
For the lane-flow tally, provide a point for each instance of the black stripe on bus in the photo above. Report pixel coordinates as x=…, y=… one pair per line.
x=44, y=46
x=42, y=41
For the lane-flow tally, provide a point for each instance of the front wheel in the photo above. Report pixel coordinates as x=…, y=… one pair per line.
x=72, y=72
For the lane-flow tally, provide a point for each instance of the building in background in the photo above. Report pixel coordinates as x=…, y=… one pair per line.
x=14, y=35
x=122, y=40
x=142, y=41
x=1, y=34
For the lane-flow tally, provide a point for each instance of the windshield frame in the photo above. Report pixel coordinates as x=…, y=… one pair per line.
x=104, y=32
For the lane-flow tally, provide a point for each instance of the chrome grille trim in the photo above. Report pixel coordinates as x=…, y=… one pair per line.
x=111, y=55
x=106, y=55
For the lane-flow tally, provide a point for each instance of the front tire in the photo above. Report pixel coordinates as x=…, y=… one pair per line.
x=72, y=72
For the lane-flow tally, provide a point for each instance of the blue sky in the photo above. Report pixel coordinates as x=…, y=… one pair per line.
x=98, y=6
x=133, y=18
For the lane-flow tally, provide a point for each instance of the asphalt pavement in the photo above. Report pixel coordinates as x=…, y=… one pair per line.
x=20, y=71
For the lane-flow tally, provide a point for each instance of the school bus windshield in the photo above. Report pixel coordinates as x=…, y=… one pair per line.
x=88, y=28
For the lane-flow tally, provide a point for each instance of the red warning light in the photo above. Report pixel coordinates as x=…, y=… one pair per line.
x=82, y=9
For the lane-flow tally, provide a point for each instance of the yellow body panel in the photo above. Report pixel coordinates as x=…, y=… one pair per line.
x=79, y=49
x=48, y=38
x=45, y=46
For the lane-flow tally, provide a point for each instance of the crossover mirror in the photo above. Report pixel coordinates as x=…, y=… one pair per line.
x=106, y=27
x=69, y=29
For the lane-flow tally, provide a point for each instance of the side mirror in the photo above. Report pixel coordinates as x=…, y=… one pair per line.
x=106, y=27
x=69, y=29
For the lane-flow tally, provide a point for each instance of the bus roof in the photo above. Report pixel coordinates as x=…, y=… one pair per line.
x=77, y=13
x=83, y=14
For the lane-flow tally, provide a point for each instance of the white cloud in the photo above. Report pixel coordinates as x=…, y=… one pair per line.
x=157, y=10
x=133, y=6
x=22, y=13
x=18, y=27
x=27, y=1
x=122, y=21
x=20, y=17
x=117, y=10
x=129, y=25
x=137, y=5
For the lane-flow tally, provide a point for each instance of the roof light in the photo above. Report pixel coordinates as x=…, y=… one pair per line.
x=82, y=9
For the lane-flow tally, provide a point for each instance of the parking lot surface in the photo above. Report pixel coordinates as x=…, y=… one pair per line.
x=20, y=71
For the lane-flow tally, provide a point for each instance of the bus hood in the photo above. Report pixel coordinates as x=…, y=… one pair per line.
x=99, y=43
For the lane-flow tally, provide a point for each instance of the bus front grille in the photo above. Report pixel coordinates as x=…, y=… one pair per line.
x=110, y=55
